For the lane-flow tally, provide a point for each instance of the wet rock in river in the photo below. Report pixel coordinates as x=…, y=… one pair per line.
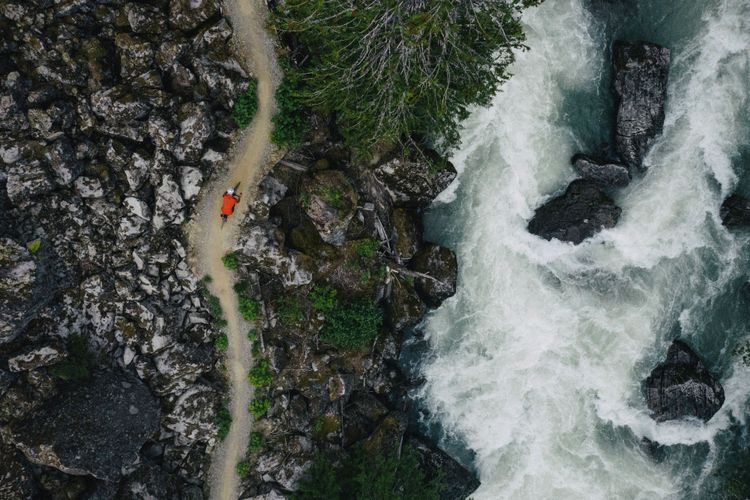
x=640, y=84
x=682, y=387
x=579, y=213
x=604, y=172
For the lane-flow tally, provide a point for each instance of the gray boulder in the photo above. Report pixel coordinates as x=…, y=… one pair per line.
x=415, y=183
x=95, y=428
x=582, y=211
x=604, y=172
x=17, y=277
x=459, y=482
x=330, y=201
x=441, y=267
x=640, y=85
x=681, y=387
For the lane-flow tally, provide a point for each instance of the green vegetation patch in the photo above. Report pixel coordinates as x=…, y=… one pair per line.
x=249, y=307
x=322, y=297
x=222, y=342
x=34, y=245
x=230, y=261
x=243, y=468
x=396, y=70
x=260, y=374
x=77, y=366
x=259, y=406
x=223, y=422
x=246, y=105
x=372, y=478
x=367, y=248
x=289, y=122
x=353, y=324
x=255, y=443
x=289, y=310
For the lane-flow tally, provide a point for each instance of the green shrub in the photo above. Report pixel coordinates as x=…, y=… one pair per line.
x=230, y=260
x=290, y=311
x=333, y=196
x=352, y=325
x=78, y=364
x=246, y=105
x=367, y=248
x=220, y=324
x=252, y=335
x=395, y=70
x=243, y=468
x=249, y=308
x=207, y=279
x=289, y=123
x=255, y=348
x=364, y=477
x=260, y=375
x=255, y=443
x=259, y=406
x=221, y=342
x=223, y=422
x=34, y=245
x=323, y=298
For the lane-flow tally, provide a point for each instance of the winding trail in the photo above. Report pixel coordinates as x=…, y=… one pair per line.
x=209, y=241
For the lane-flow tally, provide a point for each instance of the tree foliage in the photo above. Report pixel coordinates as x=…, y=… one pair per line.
x=392, y=69
x=352, y=325
x=365, y=477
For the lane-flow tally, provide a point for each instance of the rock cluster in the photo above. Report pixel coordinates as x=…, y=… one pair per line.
x=111, y=116
x=682, y=387
x=324, y=220
x=640, y=86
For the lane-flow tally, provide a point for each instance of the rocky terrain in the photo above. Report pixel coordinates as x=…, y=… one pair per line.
x=330, y=231
x=640, y=77
x=682, y=387
x=112, y=115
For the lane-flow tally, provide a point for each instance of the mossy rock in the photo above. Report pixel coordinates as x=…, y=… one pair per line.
x=306, y=239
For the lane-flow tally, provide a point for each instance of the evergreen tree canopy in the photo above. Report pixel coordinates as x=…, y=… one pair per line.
x=393, y=69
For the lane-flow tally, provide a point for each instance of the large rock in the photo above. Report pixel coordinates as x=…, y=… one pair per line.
x=415, y=183
x=17, y=278
x=604, y=172
x=95, y=428
x=441, y=268
x=582, y=211
x=682, y=387
x=15, y=475
x=459, y=482
x=640, y=85
x=735, y=211
x=330, y=201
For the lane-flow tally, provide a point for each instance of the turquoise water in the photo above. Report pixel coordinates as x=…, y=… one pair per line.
x=535, y=365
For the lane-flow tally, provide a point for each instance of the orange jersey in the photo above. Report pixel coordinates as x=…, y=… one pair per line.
x=227, y=208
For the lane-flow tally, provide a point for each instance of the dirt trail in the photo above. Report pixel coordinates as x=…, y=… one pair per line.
x=209, y=241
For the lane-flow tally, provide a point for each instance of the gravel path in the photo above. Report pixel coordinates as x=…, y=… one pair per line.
x=209, y=241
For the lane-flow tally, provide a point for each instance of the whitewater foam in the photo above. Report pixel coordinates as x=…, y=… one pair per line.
x=538, y=358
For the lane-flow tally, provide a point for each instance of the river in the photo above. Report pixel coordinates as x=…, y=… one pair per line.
x=536, y=363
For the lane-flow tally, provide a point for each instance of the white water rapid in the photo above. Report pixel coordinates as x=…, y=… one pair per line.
x=537, y=360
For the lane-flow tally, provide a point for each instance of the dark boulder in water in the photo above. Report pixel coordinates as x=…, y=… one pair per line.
x=604, y=172
x=582, y=211
x=735, y=211
x=640, y=86
x=681, y=387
